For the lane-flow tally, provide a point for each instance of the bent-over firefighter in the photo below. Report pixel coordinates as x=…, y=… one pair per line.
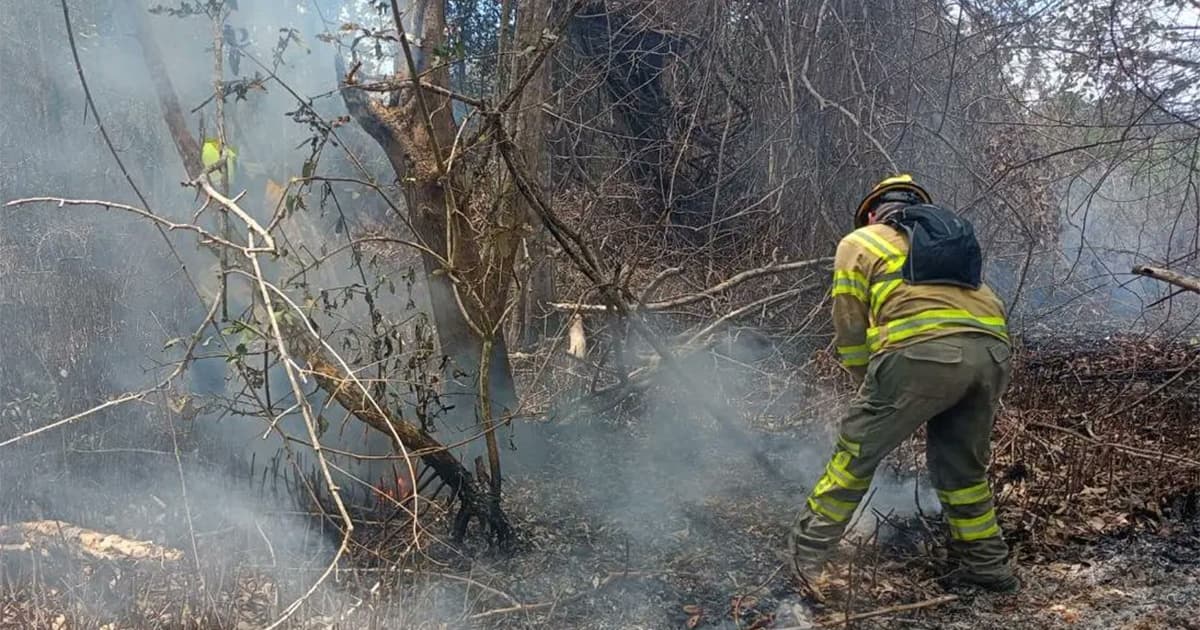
x=927, y=342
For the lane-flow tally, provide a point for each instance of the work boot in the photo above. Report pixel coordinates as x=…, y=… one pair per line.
x=807, y=568
x=998, y=582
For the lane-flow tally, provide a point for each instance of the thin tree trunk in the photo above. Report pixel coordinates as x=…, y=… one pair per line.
x=469, y=267
x=168, y=99
x=534, y=317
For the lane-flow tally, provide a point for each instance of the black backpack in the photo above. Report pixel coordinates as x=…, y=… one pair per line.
x=942, y=246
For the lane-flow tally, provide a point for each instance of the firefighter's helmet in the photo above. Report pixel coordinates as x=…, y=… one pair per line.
x=895, y=188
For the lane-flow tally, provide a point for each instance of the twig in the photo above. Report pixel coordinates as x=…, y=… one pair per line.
x=392, y=85
x=511, y=609
x=79, y=416
x=268, y=240
x=738, y=312
x=823, y=103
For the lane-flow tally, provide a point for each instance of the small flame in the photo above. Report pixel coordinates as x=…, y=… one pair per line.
x=398, y=490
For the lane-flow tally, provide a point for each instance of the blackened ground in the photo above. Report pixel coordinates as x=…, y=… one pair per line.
x=663, y=522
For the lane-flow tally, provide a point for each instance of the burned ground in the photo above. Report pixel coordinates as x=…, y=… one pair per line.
x=639, y=526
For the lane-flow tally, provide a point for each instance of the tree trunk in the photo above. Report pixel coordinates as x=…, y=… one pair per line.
x=469, y=264
x=185, y=144
x=427, y=201
x=534, y=317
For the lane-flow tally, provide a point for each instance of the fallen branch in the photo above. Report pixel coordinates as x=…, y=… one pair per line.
x=692, y=298
x=1154, y=456
x=848, y=619
x=1172, y=277
x=80, y=541
x=474, y=496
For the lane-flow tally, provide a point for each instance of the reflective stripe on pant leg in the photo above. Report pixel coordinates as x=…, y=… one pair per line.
x=976, y=493
x=970, y=499
x=969, y=529
x=839, y=491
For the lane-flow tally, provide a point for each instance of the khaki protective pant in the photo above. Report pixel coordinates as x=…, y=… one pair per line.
x=954, y=384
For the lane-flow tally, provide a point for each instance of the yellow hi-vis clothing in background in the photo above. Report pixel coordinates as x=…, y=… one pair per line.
x=875, y=310
x=210, y=154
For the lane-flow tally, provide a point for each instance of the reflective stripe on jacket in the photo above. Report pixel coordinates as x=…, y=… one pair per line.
x=874, y=310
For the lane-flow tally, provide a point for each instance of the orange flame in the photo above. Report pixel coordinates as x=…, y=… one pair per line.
x=398, y=491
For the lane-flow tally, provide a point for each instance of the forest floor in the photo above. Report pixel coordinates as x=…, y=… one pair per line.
x=599, y=551
x=665, y=524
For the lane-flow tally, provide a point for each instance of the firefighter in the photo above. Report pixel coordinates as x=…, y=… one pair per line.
x=926, y=341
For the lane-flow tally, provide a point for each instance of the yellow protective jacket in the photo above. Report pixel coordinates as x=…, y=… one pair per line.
x=875, y=310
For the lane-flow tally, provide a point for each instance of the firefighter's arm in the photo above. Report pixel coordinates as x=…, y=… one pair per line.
x=851, y=282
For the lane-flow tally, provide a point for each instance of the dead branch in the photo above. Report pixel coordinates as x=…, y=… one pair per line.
x=232, y=206
x=692, y=298
x=1190, y=283
x=1154, y=456
x=759, y=303
x=847, y=619
x=310, y=424
x=205, y=235
x=43, y=536
x=662, y=276
x=394, y=85
x=448, y=468
x=79, y=416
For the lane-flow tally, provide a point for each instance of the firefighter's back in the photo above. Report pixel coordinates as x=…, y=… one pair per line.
x=902, y=314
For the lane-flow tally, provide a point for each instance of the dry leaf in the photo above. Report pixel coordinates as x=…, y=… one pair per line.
x=1069, y=615
x=273, y=194
x=692, y=609
x=693, y=621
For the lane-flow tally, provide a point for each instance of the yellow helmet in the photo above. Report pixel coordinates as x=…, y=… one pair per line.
x=902, y=183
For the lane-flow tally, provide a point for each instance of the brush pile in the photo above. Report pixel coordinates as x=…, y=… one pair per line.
x=1099, y=435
